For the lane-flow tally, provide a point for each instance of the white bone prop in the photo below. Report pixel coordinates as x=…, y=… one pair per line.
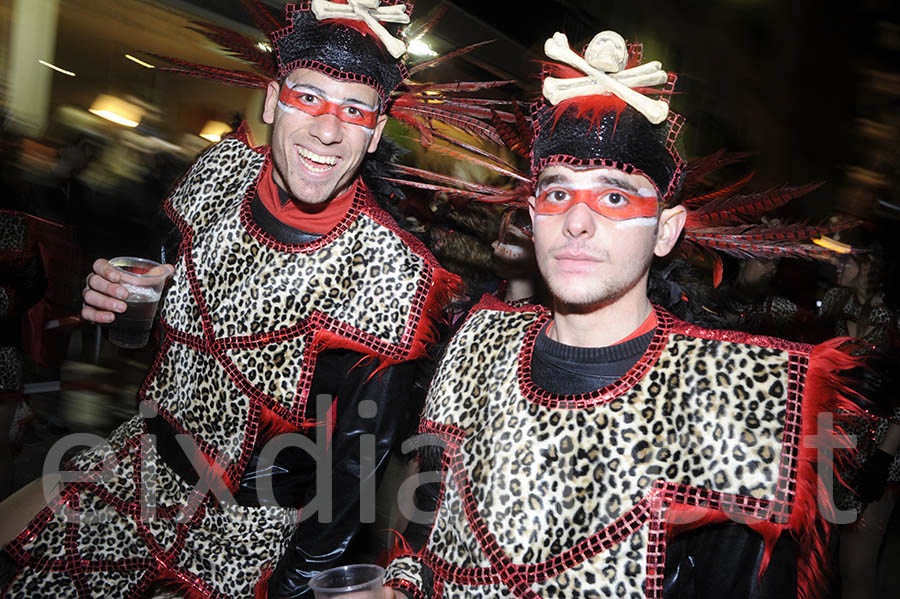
x=555, y=88
x=371, y=13
x=599, y=82
x=607, y=52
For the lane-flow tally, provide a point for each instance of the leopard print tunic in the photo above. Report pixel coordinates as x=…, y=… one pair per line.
x=246, y=314
x=565, y=496
x=243, y=320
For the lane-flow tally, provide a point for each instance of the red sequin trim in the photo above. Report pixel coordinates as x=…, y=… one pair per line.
x=679, y=327
x=405, y=585
x=587, y=400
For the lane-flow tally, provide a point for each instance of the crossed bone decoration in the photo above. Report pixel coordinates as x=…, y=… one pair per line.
x=604, y=64
x=371, y=13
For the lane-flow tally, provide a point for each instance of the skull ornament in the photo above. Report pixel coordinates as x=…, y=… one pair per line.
x=607, y=52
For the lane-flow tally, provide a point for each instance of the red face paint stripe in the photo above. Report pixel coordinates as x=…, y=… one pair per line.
x=315, y=105
x=613, y=203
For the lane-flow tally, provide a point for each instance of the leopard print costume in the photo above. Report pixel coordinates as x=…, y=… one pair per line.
x=560, y=496
x=840, y=304
x=243, y=321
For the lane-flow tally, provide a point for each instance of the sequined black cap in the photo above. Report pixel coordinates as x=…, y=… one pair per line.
x=622, y=139
x=338, y=50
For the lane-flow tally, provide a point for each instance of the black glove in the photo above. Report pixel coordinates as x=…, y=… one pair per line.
x=873, y=477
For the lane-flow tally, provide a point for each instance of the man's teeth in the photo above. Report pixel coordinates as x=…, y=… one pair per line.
x=326, y=161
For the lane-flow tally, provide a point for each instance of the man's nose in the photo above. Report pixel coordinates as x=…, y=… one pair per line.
x=327, y=128
x=579, y=221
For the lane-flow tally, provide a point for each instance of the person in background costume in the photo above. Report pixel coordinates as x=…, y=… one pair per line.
x=857, y=307
x=605, y=448
x=37, y=288
x=290, y=283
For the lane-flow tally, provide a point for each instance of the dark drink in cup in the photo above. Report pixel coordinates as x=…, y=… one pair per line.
x=131, y=329
x=144, y=281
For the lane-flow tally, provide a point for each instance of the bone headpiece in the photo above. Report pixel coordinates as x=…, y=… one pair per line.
x=603, y=65
x=372, y=14
x=602, y=118
x=352, y=40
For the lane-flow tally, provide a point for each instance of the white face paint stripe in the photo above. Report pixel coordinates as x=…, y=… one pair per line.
x=286, y=108
x=641, y=221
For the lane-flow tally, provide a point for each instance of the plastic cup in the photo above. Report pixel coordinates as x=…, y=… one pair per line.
x=358, y=581
x=131, y=329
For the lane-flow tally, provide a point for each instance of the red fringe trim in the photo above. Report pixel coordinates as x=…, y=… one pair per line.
x=399, y=548
x=445, y=287
x=826, y=390
x=215, y=471
x=271, y=425
x=261, y=590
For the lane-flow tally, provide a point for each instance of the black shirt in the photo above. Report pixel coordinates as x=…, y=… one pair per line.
x=569, y=370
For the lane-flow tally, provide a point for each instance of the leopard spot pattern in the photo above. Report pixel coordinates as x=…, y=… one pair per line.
x=192, y=386
x=545, y=478
x=11, y=365
x=12, y=232
x=236, y=543
x=252, y=305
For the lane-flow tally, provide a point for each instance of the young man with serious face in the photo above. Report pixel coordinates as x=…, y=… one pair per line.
x=595, y=256
x=281, y=315
x=605, y=448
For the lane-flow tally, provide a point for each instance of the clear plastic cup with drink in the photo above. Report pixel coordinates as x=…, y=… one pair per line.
x=357, y=581
x=144, y=279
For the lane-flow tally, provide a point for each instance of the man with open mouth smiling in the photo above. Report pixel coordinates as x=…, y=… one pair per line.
x=294, y=300
x=322, y=129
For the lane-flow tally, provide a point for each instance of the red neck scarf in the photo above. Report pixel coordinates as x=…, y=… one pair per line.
x=318, y=219
x=648, y=325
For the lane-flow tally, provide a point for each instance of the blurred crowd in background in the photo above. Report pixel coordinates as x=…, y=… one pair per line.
x=77, y=186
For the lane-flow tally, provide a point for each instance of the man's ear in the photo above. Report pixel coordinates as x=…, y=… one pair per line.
x=671, y=222
x=272, y=92
x=531, y=208
x=376, y=136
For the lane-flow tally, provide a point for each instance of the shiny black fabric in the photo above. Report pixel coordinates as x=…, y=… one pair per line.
x=626, y=140
x=274, y=227
x=723, y=561
x=291, y=476
x=317, y=546
x=350, y=54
